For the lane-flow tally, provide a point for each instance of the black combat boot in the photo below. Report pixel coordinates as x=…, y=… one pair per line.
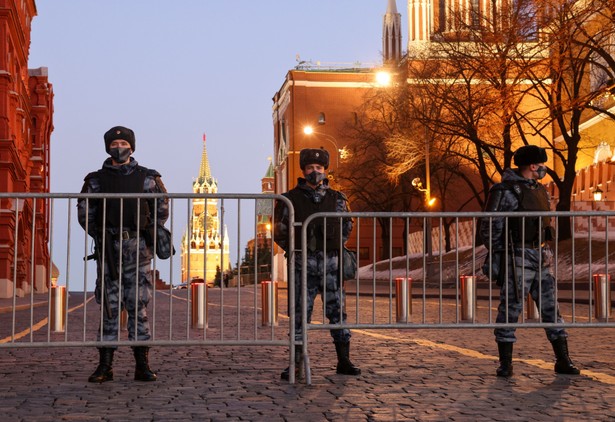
x=142, y=371
x=563, y=364
x=285, y=375
x=104, y=371
x=506, y=368
x=344, y=365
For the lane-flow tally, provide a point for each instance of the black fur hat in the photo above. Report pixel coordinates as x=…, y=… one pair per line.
x=530, y=154
x=313, y=156
x=119, y=132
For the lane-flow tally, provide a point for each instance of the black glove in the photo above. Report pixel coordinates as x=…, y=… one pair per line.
x=491, y=266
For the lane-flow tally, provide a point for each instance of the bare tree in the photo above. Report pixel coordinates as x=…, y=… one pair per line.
x=473, y=75
x=364, y=175
x=578, y=39
x=516, y=76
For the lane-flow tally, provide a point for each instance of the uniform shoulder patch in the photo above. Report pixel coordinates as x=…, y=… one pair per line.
x=91, y=175
x=509, y=186
x=152, y=173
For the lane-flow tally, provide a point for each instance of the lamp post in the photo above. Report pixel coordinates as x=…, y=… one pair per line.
x=429, y=201
x=309, y=130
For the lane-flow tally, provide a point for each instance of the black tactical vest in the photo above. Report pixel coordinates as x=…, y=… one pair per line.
x=304, y=207
x=113, y=182
x=530, y=199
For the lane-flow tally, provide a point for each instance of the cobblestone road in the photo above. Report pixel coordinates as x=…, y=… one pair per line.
x=427, y=374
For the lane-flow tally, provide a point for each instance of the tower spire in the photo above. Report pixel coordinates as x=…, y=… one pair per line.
x=204, y=171
x=391, y=34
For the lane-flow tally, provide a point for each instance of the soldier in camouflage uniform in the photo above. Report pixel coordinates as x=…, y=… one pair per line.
x=311, y=195
x=526, y=244
x=121, y=173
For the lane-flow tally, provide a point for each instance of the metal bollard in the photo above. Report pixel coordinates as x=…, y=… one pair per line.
x=199, y=304
x=468, y=297
x=269, y=299
x=602, y=296
x=58, y=309
x=531, y=308
x=403, y=299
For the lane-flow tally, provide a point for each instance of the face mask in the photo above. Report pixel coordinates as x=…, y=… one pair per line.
x=120, y=155
x=314, y=178
x=542, y=172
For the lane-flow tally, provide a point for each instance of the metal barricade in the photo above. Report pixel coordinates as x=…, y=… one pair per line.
x=432, y=293
x=223, y=311
x=438, y=281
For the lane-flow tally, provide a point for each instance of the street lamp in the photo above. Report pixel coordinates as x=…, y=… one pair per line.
x=383, y=78
x=418, y=185
x=597, y=194
x=309, y=130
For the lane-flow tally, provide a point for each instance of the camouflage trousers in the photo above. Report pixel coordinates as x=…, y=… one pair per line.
x=134, y=293
x=332, y=296
x=540, y=284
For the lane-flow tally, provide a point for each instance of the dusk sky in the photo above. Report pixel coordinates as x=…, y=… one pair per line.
x=172, y=71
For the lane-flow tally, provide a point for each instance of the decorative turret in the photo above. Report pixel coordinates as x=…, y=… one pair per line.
x=267, y=182
x=391, y=35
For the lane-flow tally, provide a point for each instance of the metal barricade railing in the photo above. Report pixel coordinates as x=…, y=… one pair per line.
x=449, y=289
x=41, y=308
x=437, y=270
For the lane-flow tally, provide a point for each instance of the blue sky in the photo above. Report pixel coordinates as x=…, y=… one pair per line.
x=174, y=70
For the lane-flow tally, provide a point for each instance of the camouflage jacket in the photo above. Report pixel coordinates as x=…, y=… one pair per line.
x=87, y=210
x=282, y=226
x=502, y=197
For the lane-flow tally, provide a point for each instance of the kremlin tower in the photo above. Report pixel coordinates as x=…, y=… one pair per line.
x=205, y=247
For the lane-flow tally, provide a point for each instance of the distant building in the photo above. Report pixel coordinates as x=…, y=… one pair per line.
x=26, y=123
x=205, y=247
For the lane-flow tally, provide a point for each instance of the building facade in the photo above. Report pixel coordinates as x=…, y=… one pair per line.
x=205, y=244
x=26, y=123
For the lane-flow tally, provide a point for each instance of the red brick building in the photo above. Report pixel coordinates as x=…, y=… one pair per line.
x=26, y=110
x=327, y=98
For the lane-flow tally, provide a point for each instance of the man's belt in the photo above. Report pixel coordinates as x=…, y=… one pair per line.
x=528, y=245
x=127, y=234
x=114, y=233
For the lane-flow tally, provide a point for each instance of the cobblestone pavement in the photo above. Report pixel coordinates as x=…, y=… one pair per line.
x=426, y=374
